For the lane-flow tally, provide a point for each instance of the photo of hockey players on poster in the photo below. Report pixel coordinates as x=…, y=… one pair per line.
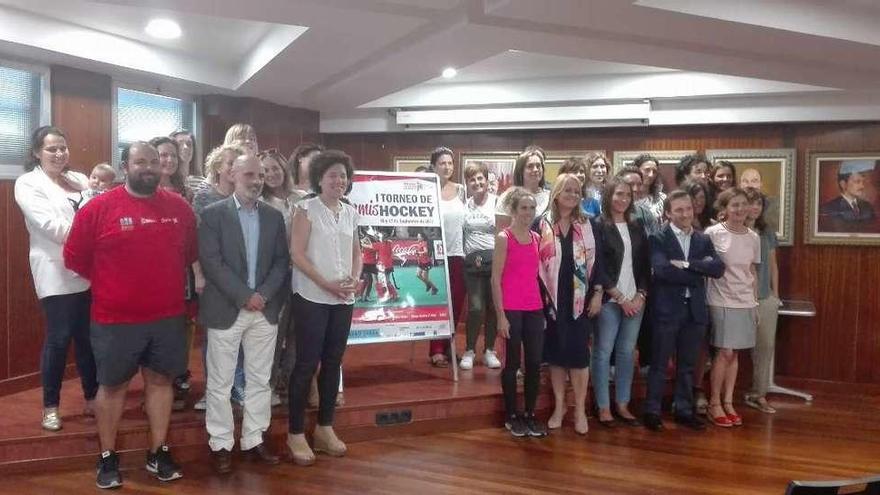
x=403, y=292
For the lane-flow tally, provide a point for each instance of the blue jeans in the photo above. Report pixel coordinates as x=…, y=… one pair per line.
x=618, y=333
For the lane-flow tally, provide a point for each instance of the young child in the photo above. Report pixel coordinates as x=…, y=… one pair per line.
x=520, y=314
x=100, y=180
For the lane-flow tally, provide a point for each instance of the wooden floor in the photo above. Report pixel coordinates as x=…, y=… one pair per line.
x=834, y=437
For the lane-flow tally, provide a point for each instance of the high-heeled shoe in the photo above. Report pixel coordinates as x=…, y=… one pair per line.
x=720, y=420
x=735, y=419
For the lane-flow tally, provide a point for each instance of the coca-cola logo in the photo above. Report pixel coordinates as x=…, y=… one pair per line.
x=405, y=251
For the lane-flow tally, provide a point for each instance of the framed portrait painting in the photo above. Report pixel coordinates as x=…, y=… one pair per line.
x=668, y=160
x=500, y=165
x=843, y=198
x=411, y=163
x=773, y=172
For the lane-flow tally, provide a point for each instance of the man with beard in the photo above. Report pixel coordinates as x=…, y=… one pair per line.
x=245, y=259
x=133, y=243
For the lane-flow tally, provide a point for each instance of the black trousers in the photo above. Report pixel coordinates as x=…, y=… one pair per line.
x=526, y=335
x=682, y=338
x=67, y=318
x=321, y=334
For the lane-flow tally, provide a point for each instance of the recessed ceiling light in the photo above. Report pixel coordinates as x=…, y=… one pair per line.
x=449, y=72
x=164, y=29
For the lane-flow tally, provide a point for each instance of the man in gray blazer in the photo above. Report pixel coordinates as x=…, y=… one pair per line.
x=244, y=256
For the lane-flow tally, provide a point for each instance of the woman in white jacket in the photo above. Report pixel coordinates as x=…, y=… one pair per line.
x=49, y=195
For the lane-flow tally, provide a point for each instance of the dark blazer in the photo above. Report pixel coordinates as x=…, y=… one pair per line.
x=671, y=283
x=838, y=216
x=224, y=262
x=612, y=253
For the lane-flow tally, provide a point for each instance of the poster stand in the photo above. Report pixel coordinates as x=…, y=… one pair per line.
x=403, y=245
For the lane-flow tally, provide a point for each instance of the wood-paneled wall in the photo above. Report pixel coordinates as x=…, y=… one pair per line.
x=279, y=127
x=82, y=106
x=842, y=343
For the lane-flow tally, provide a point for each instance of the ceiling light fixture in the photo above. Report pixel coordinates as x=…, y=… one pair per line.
x=449, y=72
x=164, y=29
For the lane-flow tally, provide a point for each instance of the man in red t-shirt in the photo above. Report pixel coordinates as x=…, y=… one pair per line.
x=134, y=243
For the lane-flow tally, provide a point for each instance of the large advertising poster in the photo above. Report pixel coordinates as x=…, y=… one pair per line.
x=403, y=292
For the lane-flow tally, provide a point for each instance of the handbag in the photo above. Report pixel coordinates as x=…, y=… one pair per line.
x=479, y=261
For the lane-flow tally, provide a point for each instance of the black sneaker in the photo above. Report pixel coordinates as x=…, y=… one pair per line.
x=516, y=425
x=108, y=470
x=162, y=465
x=534, y=426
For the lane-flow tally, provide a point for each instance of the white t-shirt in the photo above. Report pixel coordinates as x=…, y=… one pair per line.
x=330, y=249
x=479, y=225
x=452, y=212
x=738, y=251
x=626, y=282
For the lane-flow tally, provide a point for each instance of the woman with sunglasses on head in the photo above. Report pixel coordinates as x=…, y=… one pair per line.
x=49, y=194
x=572, y=274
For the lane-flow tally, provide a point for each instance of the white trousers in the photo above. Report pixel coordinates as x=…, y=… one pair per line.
x=256, y=336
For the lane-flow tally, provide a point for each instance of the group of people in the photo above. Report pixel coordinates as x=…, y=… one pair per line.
x=263, y=253
x=576, y=274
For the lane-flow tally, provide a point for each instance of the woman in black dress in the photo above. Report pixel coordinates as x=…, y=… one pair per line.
x=572, y=279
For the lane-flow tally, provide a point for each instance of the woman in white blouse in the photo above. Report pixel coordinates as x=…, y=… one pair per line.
x=49, y=195
x=326, y=255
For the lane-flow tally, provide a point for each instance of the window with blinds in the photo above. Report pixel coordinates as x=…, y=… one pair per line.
x=141, y=116
x=20, y=110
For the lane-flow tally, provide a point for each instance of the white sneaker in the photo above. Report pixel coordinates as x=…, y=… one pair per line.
x=201, y=405
x=467, y=360
x=491, y=360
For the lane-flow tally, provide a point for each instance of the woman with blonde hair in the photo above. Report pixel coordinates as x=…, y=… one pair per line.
x=573, y=278
x=243, y=136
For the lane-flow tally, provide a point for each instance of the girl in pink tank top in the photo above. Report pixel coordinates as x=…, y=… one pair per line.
x=520, y=314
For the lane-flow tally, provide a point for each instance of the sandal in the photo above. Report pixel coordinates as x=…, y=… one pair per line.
x=439, y=361
x=735, y=419
x=760, y=403
x=722, y=420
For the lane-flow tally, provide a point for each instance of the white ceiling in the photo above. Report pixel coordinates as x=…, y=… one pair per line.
x=352, y=60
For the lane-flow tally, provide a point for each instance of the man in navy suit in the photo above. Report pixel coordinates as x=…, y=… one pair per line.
x=681, y=258
x=849, y=212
